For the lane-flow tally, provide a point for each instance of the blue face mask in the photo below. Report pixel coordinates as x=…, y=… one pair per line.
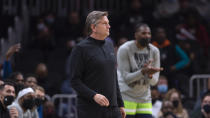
x=162, y=88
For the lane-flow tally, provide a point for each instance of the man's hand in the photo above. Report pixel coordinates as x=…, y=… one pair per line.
x=149, y=71
x=206, y=115
x=12, y=50
x=122, y=110
x=13, y=112
x=101, y=100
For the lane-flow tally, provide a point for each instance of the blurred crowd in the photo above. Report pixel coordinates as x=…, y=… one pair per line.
x=180, y=29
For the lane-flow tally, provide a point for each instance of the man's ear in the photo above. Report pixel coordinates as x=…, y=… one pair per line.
x=93, y=27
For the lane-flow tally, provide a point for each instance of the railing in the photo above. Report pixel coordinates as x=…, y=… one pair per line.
x=201, y=80
x=66, y=105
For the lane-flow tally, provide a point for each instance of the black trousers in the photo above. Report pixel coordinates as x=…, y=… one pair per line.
x=85, y=111
x=140, y=116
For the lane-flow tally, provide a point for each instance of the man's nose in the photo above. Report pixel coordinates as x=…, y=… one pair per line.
x=12, y=94
x=148, y=36
x=108, y=26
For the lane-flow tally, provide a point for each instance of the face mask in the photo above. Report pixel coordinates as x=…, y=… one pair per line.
x=169, y=114
x=206, y=108
x=162, y=88
x=39, y=101
x=8, y=100
x=144, y=42
x=175, y=103
x=28, y=103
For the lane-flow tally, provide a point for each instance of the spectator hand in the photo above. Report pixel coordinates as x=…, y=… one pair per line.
x=101, y=100
x=13, y=112
x=12, y=50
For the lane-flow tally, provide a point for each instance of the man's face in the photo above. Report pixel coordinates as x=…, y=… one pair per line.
x=8, y=91
x=160, y=35
x=174, y=96
x=31, y=81
x=102, y=27
x=206, y=100
x=162, y=81
x=143, y=33
x=167, y=107
x=39, y=94
x=19, y=79
x=155, y=94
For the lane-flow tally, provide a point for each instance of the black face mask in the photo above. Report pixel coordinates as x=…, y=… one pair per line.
x=144, y=42
x=8, y=100
x=39, y=101
x=169, y=113
x=206, y=108
x=175, y=103
x=28, y=103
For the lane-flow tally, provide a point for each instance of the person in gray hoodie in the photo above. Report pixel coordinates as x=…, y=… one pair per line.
x=25, y=104
x=138, y=69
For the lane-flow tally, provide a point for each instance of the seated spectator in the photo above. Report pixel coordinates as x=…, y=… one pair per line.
x=156, y=103
x=167, y=110
x=205, y=106
x=39, y=99
x=162, y=86
x=31, y=80
x=17, y=77
x=204, y=110
x=25, y=104
x=49, y=110
x=174, y=96
x=7, y=96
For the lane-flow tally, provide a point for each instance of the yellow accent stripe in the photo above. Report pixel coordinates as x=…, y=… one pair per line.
x=144, y=112
x=144, y=105
x=133, y=108
x=130, y=105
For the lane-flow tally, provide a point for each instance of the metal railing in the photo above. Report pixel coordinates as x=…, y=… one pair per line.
x=66, y=105
x=201, y=84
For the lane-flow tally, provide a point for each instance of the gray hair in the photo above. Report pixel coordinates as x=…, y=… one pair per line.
x=93, y=18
